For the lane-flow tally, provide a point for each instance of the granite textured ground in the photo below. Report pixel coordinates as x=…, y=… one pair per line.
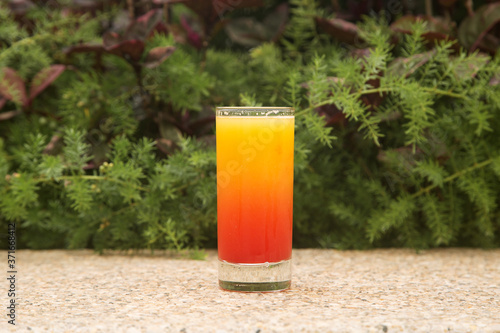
x=445, y=290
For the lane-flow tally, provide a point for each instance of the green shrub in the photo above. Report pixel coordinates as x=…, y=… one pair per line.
x=108, y=142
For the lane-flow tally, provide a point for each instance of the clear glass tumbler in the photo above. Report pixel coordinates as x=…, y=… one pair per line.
x=255, y=197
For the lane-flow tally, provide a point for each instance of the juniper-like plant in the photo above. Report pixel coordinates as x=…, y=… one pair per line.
x=395, y=143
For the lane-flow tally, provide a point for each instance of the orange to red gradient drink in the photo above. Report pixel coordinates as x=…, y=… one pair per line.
x=254, y=186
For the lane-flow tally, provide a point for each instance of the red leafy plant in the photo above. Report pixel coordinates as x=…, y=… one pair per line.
x=210, y=15
x=130, y=45
x=480, y=30
x=248, y=31
x=14, y=88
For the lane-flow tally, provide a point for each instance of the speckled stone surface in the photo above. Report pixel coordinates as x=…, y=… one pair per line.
x=452, y=290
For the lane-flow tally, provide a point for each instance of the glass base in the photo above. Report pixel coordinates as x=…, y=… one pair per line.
x=269, y=276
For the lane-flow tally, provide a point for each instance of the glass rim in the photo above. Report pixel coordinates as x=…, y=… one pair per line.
x=255, y=111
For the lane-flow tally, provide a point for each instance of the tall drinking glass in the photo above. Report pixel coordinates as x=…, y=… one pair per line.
x=254, y=197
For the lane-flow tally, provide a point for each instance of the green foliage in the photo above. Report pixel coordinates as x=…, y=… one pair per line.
x=432, y=171
x=9, y=30
x=75, y=150
x=396, y=144
x=224, y=67
x=93, y=104
x=179, y=79
x=301, y=31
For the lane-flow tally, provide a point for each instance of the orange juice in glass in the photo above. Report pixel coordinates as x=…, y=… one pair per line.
x=254, y=197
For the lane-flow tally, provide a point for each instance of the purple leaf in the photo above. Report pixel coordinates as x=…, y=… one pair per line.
x=83, y=48
x=193, y=37
x=150, y=19
x=436, y=24
x=44, y=78
x=110, y=39
x=474, y=29
x=495, y=80
x=437, y=29
x=211, y=11
x=275, y=22
x=12, y=86
x=246, y=31
x=332, y=114
x=84, y=6
x=199, y=123
x=404, y=24
x=159, y=28
x=53, y=145
x=166, y=146
x=2, y=102
x=432, y=37
x=250, y=32
x=129, y=49
x=223, y=6
x=468, y=68
x=408, y=66
x=20, y=7
x=10, y=114
x=163, y=2
x=142, y=27
x=344, y=31
x=158, y=55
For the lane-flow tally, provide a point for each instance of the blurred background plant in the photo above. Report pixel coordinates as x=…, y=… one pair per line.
x=107, y=118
